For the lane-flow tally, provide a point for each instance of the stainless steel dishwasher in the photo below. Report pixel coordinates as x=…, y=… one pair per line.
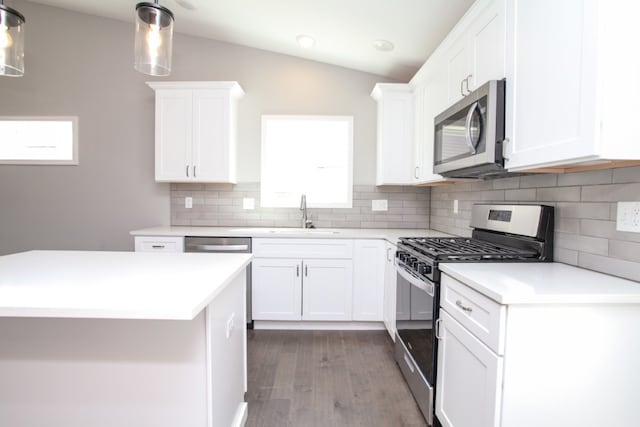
x=224, y=245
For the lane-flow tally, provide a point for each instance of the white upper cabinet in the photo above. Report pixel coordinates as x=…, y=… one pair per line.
x=474, y=52
x=573, y=93
x=195, y=131
x=395, y=133
x=430, y=88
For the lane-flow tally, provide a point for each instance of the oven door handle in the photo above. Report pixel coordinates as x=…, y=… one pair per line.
x=415, y=281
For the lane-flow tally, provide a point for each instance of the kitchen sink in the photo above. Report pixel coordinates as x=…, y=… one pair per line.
x=284, y=230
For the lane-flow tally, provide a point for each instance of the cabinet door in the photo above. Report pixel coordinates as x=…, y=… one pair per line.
x=551, y=96
x=276, y=289
x=435, y=102
x=390, y=291
x=368, y=279
x=173, y=135
x=458, y=68
x=419, y=128
x=487, y=38
x=327, y=289
x=212, y=146
x=469, y=378
x=395, y=134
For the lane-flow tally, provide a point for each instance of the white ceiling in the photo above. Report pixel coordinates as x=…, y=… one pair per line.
x=343, y=29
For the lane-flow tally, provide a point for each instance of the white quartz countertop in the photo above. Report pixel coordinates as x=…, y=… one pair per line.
x=543, y=283
x=115, y=285
x=391, y=235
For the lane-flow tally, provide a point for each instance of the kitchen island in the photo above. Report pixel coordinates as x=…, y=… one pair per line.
x=122, y=338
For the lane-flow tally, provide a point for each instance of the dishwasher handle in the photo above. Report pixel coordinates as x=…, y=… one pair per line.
x=220, y=248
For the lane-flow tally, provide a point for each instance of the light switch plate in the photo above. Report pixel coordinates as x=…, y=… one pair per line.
x=455, y=206
x=248, y=203
x=628, y=217
x=379, y=205
x=188, y=202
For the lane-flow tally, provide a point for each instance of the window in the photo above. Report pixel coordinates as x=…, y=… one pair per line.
x=39, y=140
x=310, y=155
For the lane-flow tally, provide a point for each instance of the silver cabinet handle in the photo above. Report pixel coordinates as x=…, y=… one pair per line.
x=466, y=81
x=157, y=246
x=463, y=307
x=187, y=170
x=297, y=271
x=389, y=254
x=416, y=172
x=194, y=171
x=306, y=270
x=462, y=90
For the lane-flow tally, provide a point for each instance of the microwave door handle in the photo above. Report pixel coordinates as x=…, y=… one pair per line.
x=467, y=128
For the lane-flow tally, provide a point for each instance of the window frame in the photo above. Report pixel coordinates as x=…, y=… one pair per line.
x=310, y=204
x=74, y=161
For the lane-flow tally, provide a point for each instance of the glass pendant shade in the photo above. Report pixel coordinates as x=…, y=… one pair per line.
x=11, y=42
x=154, y=39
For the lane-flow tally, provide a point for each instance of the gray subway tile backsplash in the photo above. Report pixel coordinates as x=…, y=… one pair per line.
x=221, y=205
x=585, y=211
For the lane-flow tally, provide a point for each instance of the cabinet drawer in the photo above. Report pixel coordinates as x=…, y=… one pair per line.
x=303, y=248
x=159, y=244
x=481, y=315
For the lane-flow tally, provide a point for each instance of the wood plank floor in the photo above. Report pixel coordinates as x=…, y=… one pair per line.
x=326, y=378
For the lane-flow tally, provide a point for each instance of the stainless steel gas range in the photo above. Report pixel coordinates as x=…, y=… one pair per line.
x=501, y=233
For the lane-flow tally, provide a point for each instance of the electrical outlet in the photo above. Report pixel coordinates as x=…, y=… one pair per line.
x=379, y=205
x=248, y=203
x=628, y=217
x=188, y=202
x=455, y=206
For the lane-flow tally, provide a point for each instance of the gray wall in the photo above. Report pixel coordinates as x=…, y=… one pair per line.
x=82, y=65
x=585, y=213
x=219, y=204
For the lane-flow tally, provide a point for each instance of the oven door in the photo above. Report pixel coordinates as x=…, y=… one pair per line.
x=415, y=339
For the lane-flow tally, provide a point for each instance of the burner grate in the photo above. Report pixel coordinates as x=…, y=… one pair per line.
x=461, y=248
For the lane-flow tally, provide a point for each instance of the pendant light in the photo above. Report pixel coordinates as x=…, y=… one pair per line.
x=11, y=42
x=154, y=38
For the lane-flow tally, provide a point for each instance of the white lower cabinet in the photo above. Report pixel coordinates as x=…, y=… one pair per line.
x=390, y=277
x=159, y=243
x=276, y=288
x=369, y=276
x=327, y=289
x=312, y=286
x=469, y=380
x=544, y=361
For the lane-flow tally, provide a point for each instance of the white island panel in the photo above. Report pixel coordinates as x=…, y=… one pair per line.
x=91, y=351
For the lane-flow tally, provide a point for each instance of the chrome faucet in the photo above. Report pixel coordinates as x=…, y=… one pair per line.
x=306, y=223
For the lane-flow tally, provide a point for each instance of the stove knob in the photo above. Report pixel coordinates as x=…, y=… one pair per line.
x=412, y=261
x=423, y=268
x=402, y=256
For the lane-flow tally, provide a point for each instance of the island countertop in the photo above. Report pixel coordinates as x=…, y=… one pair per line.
x=113, y=285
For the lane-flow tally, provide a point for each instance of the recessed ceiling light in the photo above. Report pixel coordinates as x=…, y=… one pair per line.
x=383, y=45
x=305, y=41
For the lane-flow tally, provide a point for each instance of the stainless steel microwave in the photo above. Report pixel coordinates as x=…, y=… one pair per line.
x=469, y=134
